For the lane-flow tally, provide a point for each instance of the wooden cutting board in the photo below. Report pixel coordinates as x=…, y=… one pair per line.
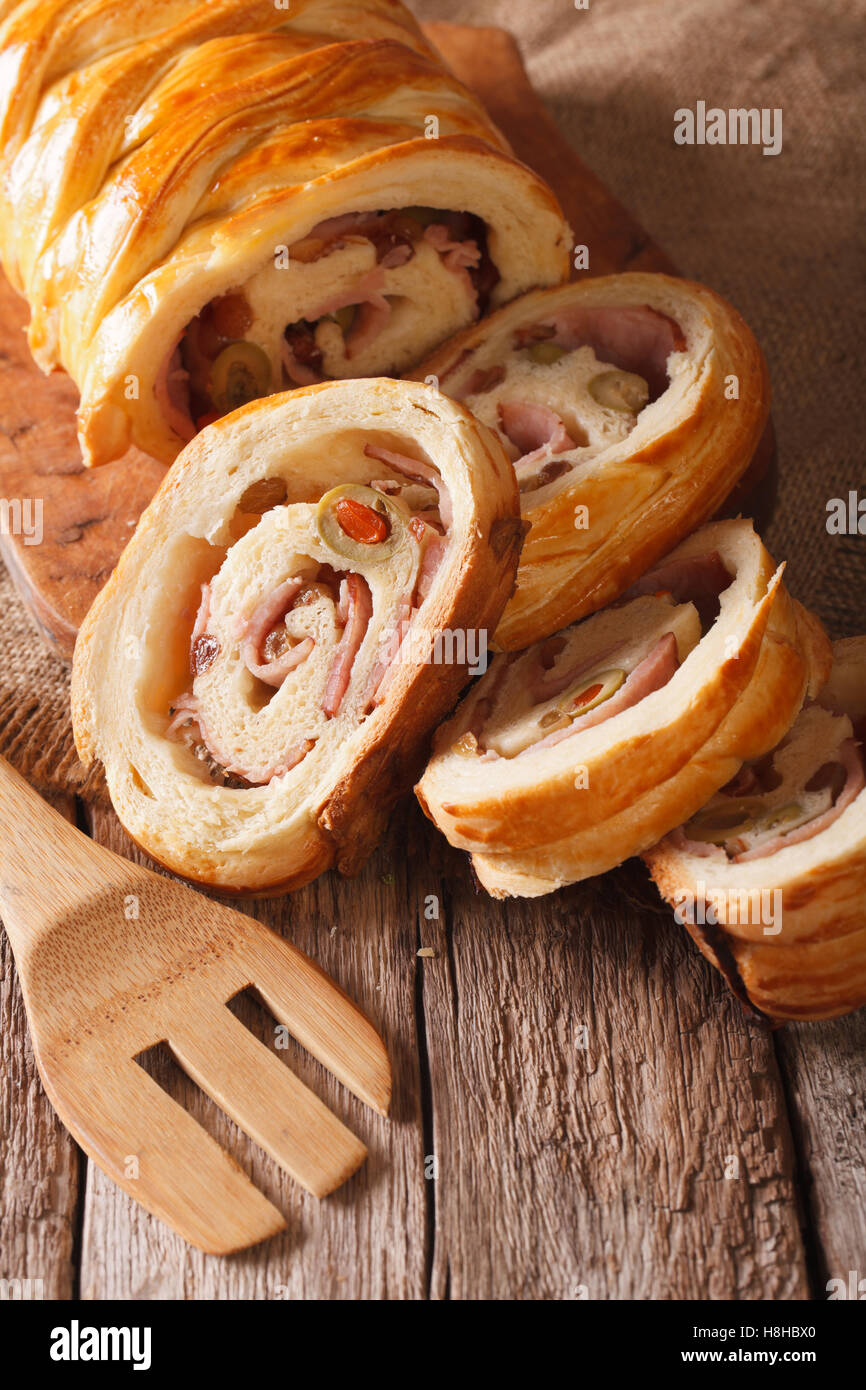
x=88, y=515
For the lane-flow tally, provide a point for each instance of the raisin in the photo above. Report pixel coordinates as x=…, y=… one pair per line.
x=259, y=497
x=204, y=654
x=231, y=316
x=277, y=643
x=302, y=342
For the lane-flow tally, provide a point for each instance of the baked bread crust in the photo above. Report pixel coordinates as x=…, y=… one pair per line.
x=643, y=492
x=528, y=824
x=156, y=156
x=815, y=966
x=131, y=672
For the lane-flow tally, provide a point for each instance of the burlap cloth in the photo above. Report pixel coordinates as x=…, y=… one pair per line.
x=780, y=236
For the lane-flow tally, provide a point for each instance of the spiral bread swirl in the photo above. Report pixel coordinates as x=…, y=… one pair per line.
x=630, y=406
x=571, y=756
x=204, y=203
x=261, y=671
x=769, y=876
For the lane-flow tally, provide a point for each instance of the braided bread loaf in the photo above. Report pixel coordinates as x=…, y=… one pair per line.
x=207, y=202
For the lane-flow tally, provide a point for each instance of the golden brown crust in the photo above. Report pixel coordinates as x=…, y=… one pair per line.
x=811, y=963
x=156, y=156
x=642, y=494
x=131, y=656
x=532, y=828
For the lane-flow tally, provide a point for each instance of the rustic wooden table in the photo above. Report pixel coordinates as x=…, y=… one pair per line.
x=580, y=1108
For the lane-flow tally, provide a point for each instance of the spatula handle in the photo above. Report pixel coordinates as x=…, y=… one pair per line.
x=46, y=865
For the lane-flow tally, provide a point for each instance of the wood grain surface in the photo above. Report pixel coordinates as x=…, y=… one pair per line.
x=40, y=1166
x=580, y=1109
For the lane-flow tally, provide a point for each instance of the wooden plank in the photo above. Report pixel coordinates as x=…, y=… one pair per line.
x=823, y=1068
x=39, y=1161
x=366, y=1241
x=592, y=1163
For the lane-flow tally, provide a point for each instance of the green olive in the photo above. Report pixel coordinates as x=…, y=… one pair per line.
x=585, y=694
x=241, y=373
x=717, y=824
x=345, y=317
x=624, y=391
x=545, y=353
x=360, y=523
x=553, y=719
x=591, y=691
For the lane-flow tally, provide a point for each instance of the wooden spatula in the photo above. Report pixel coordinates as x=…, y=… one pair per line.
x=102, y=985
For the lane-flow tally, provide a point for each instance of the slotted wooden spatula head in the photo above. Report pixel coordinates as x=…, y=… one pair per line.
x=103, y=984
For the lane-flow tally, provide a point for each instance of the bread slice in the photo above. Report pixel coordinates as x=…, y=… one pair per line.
x=575, y=803
x=260, y=673
x=633, y=436
x=780, y=906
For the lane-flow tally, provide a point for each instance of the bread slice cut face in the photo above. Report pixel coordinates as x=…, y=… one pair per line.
x=770, y=876
x=567, y=758
x=630, y=406
x=299, y=606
